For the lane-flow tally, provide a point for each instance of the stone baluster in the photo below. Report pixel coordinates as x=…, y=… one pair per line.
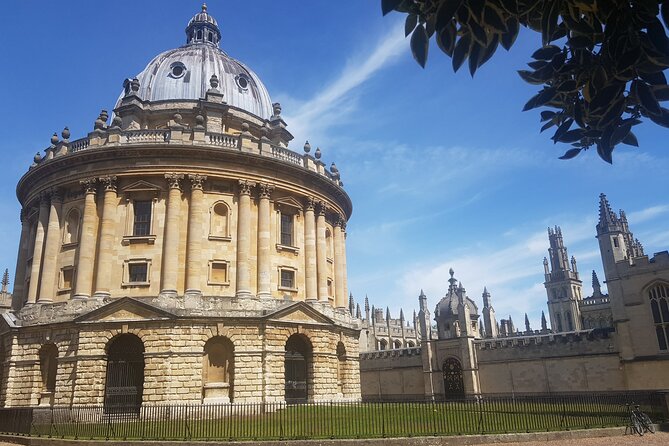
x=170, y=273
x=18, y=294
x=87, y=241
x=310, y=267
x=107, y=227
x=339, y=273
x=42, y=221
x=244, y=239
x=48, y=282
x=321, y=254
x=194, y=265
x=264, y=257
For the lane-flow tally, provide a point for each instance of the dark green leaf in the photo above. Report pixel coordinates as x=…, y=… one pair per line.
x=656, y=78
x=446, y=39
x=389, y=5
x=571, y=136
x=493, y=18
x=476, y=8
x=479, y=33
x=620, y=132
x=549, y=20
x=567, y=86
x=446, y=12
x=509, y=37
x=628, y=59
x=546, y=115
x=543, y=97
x=661, y=119
x=604, y=150
x=548, y=125
x=546, y=53
x=630, y=140
x=490, y=50
x=461, y=51
x=537, y=64
x=475, y=53
x=664, y=11
x=613, y=113
x=562, y=129
x=661, y=92
x=511, y=6
x=529, y=77
x=419, y=45
x=605, y=97
x=569, y=154
x=578, y=114
x=410, y=24
x=580, y=42
x=647, y=98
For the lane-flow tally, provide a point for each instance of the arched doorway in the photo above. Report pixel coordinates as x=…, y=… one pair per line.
x=218, y=370
x=454, y=385
x=341, y=367
x=48, y=364
x=124, y=383
x=298, y=364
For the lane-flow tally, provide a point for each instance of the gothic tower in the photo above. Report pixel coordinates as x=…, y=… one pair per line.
x=563, y=285
x=489, y=320
x=616, y=242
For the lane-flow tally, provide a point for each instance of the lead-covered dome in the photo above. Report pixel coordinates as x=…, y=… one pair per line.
x=184, y=73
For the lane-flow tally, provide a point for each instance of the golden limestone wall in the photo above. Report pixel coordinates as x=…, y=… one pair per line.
x=174, y=362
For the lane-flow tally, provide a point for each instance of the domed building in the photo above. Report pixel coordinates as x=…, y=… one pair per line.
x=181, y=252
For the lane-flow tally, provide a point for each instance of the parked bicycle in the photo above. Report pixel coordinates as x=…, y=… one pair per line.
x=639, y=422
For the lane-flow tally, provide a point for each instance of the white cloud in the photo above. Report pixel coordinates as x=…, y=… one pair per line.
x=647, y=214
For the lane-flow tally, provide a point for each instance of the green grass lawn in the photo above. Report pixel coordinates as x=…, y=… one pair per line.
x=359, y=420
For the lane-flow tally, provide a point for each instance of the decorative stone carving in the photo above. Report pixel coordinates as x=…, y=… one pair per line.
x=89, y=185
x=65, y=134
x=54, y=139
x=322, y=208
x=199, y=122
x=318, y=153
x=309, y=204
x=213, y=82
x=276, y=109
x=265, y=190
x=307, y=147
x=109, y=182
x=245, y=187
x=196, y=180
x=56, y=195
x=174, y=180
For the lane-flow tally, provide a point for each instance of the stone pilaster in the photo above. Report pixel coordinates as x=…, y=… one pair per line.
x=339, y=273
x=194, y=264
x=107, y=226
x=310, y=267
x=264, y=256
x=171, y=243
x=244, y=239
x=321, y=254
x=343, y=259
x=42, y=221
x=86, y=255
x=48, y=283
x=18, y=294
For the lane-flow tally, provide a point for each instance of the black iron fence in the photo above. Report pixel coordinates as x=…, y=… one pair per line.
x=268, y=421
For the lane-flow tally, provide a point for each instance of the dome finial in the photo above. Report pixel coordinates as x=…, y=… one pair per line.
x=204, y=7
x=203, y=28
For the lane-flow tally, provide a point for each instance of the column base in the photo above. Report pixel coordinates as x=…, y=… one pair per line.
x=243, y=294
x=101, y=295
x=193, y=293
x=311, y=299
x=44, y=301
x=264, y=295
x=168, y=293
x=80, y=296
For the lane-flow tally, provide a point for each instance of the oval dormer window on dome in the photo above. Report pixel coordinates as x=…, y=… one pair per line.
x=177, y=70
x=242, y=81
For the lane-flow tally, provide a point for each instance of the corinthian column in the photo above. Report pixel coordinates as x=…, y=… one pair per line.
x=310, y=267
x=86, y=256
x=107, y=229
x=18, y=294
x=244, y=239
x=38, y=249
x=47, y=290
x=194, y=266
x=321, y=253
x=171, y=243
x=340, y=291
x=264, y=263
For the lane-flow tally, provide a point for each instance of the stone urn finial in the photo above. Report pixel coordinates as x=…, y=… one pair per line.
x=134, y=85
x=318, y=153
x=199, y=122
x=65, y=133
x=54, y=139
x=307, y=147
x=117, y=122
x=37, y=158
x=213, y=81
x=276, y=109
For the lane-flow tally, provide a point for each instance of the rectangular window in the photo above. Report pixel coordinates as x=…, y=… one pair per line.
x=330, y=293
x=137, y=272
x=287, y=278
x=219, y=273
x=615, y=242
x=286, y=229
x=67, y=275
x=142, y=221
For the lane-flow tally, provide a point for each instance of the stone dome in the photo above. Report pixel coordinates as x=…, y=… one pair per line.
x=184, y=73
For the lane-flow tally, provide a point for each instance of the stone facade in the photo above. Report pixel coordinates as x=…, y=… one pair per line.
x=181, y=253
x=603, y=342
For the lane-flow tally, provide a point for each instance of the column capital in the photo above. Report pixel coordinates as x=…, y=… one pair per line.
x=265, y=190
x=309, y=204
x=322, y=208
x=109, y=183
x=90, y=185
x=197, y=180
x=245, y=187
x=174, y=180
x=340, y=221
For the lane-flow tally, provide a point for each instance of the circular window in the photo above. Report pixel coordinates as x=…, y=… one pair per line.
x=242, y=81
x=177, y=70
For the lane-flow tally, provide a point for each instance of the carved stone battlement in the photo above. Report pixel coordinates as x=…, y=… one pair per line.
x=396, y=353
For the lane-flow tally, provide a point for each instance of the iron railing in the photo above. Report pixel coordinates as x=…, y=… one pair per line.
x=483, y=414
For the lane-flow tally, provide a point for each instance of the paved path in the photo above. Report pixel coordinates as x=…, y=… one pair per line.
x=658, y=439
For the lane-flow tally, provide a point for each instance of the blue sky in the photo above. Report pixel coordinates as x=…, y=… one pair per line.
x=443, y=170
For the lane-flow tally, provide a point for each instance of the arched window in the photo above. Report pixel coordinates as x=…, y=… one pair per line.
x=199, y=35
x=48, y=364
x=410, y=344
x=219, y=221
x=454, y=385
x=383, y=344
x=558, y=322
x=397, y=344
x=567, y=319
x=124, y=384
x=71, y=229
x=659, y=305
x=298, y=367
x=329, y=244
x=341, y=366
x=218, y=370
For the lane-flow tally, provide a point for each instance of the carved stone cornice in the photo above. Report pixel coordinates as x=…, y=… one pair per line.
x=174, y=180
x=109, y=183
x=245, y=187
x=265, y=190
x=197, y=180
x=310, y=204
x=90, y=185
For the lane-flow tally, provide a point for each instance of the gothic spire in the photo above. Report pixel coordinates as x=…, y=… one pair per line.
x=527, y=324
x=544, y=325
x=351, y=304
x=596, y=287
x=5, y=280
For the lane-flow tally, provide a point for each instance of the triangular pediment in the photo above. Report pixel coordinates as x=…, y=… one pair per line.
x=125, y=310
x=288, y=201
x=141, y=186
x=300, y=313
